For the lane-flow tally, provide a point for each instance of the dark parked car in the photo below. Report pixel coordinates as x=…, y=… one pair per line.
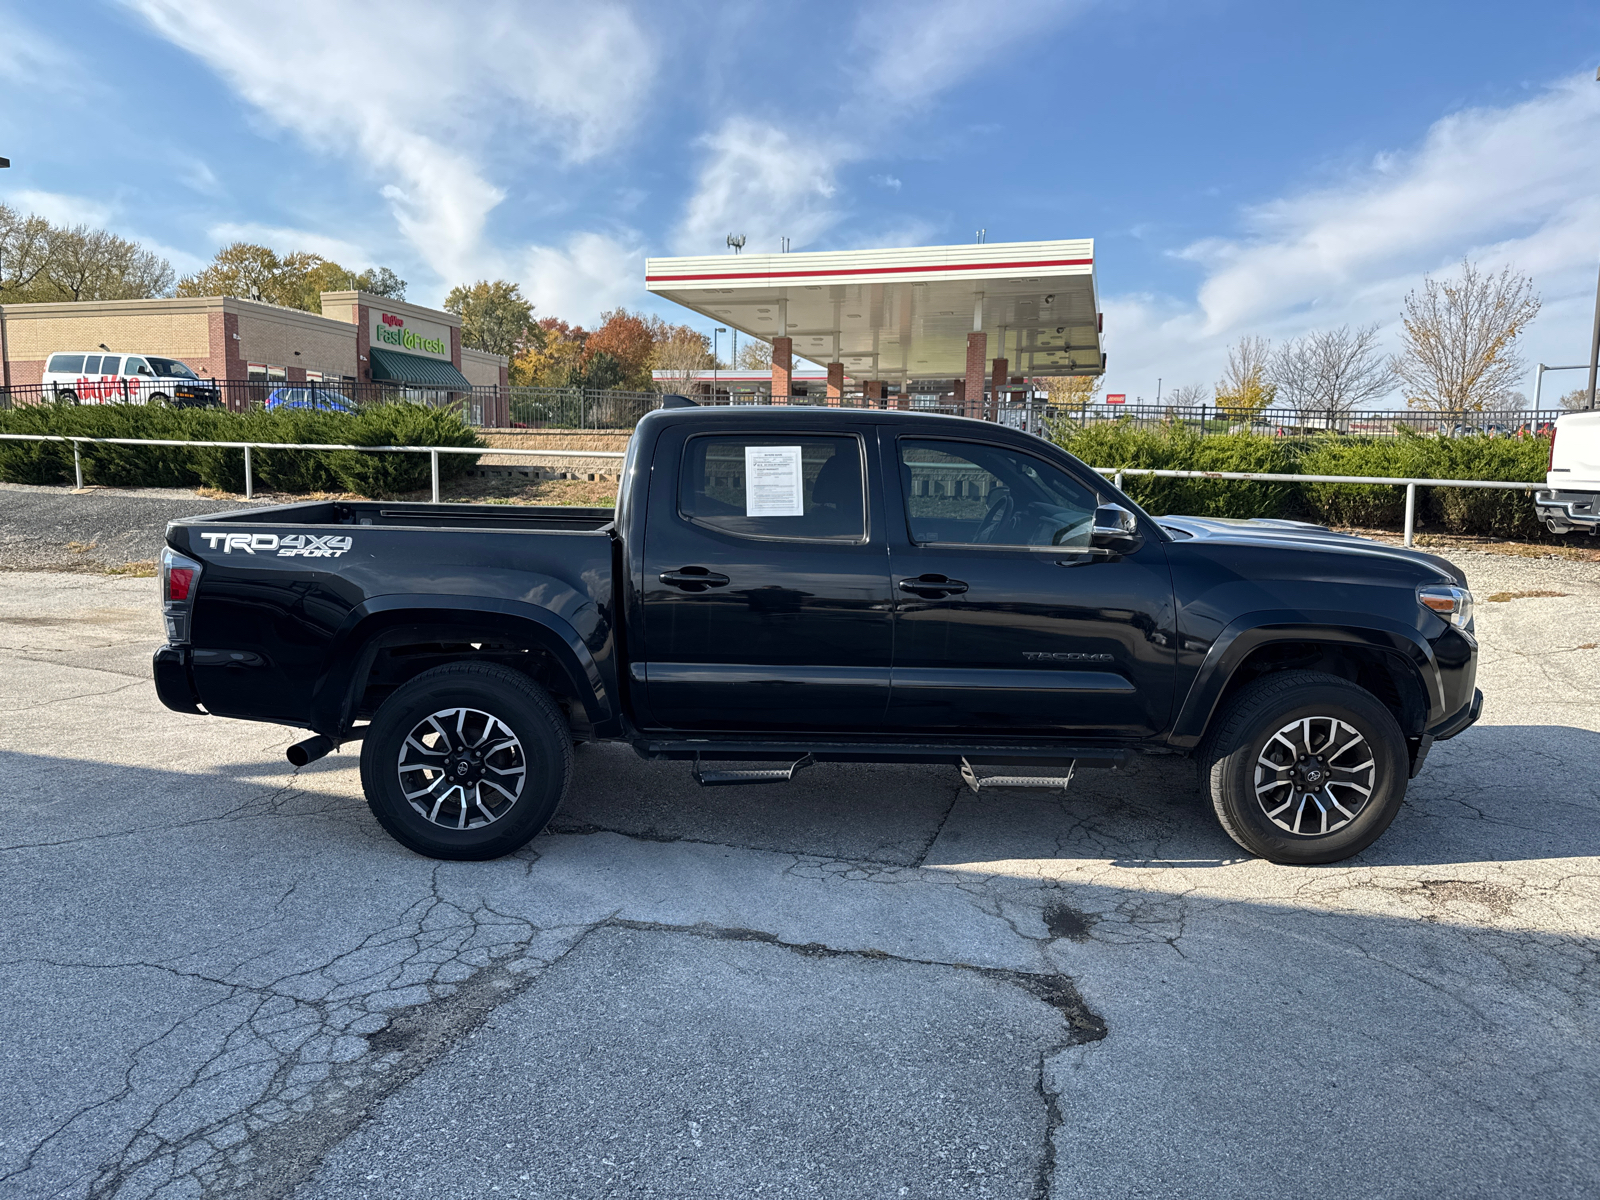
x=310, y=396
x=790, y=585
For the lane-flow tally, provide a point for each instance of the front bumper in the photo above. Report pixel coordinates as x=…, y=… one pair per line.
x=1567, y=510
x=1460, y=721
x=174, y=685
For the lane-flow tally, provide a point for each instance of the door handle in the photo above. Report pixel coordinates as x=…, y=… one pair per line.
x=932, y=587
x=694, y=579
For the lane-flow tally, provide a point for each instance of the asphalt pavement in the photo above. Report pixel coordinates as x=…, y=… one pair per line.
x=98, y=529
x=222, y=979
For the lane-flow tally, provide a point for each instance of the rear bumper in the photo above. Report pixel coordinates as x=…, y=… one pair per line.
x=174, y=685
x=1571, y=510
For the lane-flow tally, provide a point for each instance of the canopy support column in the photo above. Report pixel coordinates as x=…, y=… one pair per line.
x=782, y=368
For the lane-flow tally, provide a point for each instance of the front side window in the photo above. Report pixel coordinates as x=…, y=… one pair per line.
x=804, y=487
x=171, y=368
x=135, y=366
x=970, y=493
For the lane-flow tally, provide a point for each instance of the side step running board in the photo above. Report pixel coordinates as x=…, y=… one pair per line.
x=733, y=778
x=1016, y=781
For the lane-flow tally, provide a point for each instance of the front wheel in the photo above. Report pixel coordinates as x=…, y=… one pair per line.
x=1305, y=768
x=467, y=761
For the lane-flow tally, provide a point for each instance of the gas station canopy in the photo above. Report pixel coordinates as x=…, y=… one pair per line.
x=905, y=314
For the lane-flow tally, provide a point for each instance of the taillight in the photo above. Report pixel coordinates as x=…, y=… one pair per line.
x=179, y=575
x=1551, y=465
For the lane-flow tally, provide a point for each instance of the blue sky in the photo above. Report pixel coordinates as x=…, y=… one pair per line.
x=1245, y=167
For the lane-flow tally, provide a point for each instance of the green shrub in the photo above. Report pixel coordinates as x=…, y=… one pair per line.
x=294, y=471
x=1366, y=506
x=1176, y=447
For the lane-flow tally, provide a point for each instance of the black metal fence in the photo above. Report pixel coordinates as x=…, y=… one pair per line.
x=584, y=408
x=577, y=408
x=1285, y=422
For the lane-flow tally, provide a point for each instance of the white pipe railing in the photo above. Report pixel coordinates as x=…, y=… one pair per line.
x=433, y=452
x=1411, y=485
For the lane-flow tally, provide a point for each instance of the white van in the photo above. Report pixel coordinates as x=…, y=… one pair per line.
x=102, y=378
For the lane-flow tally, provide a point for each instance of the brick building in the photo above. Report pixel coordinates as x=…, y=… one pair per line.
x=357, y=338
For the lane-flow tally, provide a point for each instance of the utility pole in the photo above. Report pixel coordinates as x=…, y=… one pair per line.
x=1594, y=347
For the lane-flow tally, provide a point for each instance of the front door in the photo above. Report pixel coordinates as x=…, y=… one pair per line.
x=1005, y=623
x=766, y=585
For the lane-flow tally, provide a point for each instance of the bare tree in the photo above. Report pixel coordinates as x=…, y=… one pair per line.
x=1245, y=389
x=24, y=254
x=754, y=356
x=1577, y=400
x=1332, y=371
x=92, y=264
x=1459, y=346
x=1188, y=395
x=680, y=353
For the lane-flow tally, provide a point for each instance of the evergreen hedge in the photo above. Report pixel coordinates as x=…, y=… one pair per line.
x=1481, y=511
x=382, y=476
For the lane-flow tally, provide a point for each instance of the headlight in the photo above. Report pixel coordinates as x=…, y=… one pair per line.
x=1454, y=604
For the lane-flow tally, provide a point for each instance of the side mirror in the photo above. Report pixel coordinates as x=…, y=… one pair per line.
x=1115, y=530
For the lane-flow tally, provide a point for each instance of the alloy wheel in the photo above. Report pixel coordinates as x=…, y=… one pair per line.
x=1314, y=776
x=462, y=768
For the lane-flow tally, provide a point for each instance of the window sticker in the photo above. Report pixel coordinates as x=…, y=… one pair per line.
x=773, y=482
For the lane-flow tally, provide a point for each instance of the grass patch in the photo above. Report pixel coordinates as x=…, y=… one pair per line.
x=1531, y=594
x=144, y=569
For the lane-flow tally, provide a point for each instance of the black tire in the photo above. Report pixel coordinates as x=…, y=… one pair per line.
x=481, y=823
x=1259, y=738
x=158, y=398
x=67, y=396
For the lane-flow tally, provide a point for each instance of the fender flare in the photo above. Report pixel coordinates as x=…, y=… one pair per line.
x=356, y=642
x=1248, y=633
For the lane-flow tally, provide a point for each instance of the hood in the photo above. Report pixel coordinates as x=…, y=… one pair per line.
x=1298, y=535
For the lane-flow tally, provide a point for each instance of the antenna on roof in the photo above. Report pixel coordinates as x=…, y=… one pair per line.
x=981, y=235
x=736, y=242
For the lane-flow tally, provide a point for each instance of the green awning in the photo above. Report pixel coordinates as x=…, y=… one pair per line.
x=393, y=366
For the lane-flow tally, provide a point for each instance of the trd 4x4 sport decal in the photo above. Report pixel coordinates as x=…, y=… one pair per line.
x=301, y=545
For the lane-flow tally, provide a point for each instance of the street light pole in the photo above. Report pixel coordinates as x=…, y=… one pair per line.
x=716, y=363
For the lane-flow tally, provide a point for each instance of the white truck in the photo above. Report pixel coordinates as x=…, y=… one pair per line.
x=1571, y=499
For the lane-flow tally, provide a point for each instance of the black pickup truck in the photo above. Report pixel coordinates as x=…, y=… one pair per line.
x=788, y=585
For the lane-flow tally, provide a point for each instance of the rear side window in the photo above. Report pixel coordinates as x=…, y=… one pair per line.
x=807, y=487
x=91, y=365
x=109, y=364
x=66, y=364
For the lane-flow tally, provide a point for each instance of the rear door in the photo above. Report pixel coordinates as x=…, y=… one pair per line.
x=766, y=599
x=1005, y=623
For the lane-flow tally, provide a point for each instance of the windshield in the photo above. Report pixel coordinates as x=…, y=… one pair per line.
x=171, y=367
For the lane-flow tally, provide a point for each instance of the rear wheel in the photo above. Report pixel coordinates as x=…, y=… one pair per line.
x=466, y=761
x=67, y=396
x=1305, y=768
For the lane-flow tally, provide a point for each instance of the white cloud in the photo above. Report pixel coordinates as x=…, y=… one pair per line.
x=421, y=92
x=1499, y=185
x=63, y=209
x=769, y=181
x=285, y=241
x=765, y=183
x=588, y=274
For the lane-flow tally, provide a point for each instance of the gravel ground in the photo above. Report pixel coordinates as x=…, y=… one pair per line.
x=99, y=530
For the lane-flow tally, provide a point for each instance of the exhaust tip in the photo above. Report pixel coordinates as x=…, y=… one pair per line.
x=309, y=750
